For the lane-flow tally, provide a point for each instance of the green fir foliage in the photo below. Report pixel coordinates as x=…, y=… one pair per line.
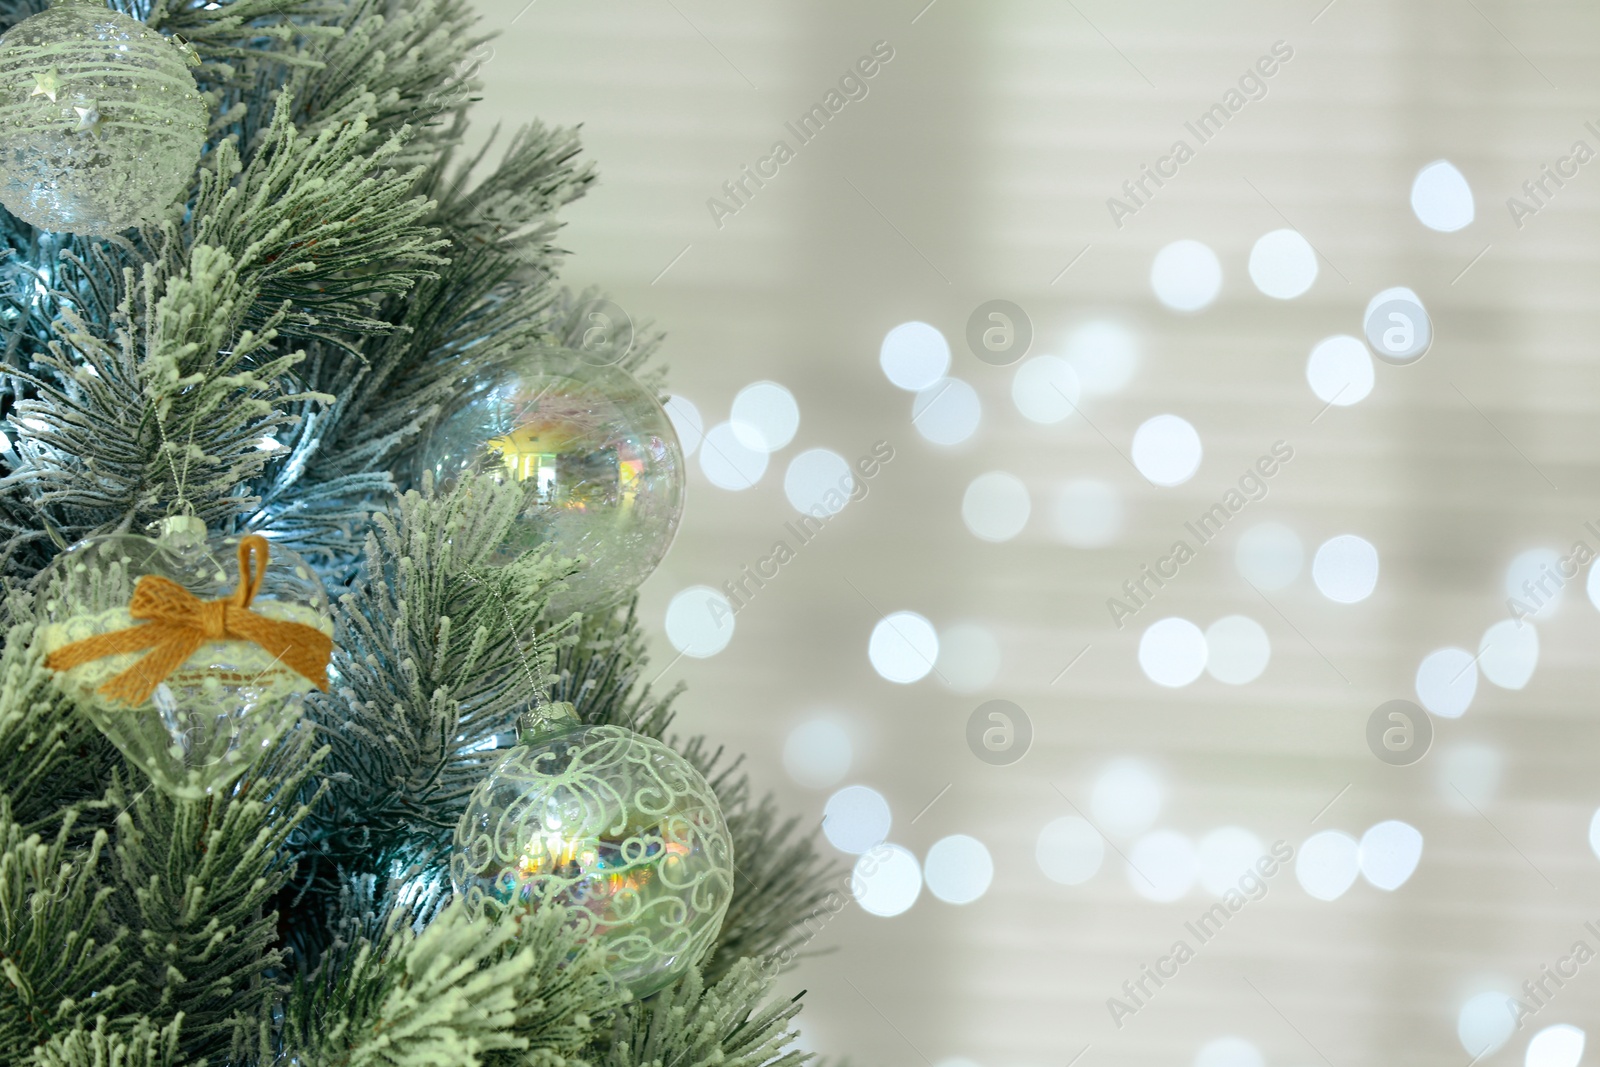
x=269, y=357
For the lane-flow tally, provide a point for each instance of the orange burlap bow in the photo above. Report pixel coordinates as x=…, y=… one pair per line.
x=176, y=623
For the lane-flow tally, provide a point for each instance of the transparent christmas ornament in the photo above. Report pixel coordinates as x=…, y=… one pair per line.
x=101, y=125
x=599, y=463
x=615, y=828
x=218, y=708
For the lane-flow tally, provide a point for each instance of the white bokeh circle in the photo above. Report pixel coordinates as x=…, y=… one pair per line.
x=996, y=506
x=958, y=869
x=914, y=355
x=1172, y=652
x=1237, y=649
x=886, y=881
x=1163, y=865
x=727, y=462
x=1560, y=1045
x=1389, y=853
x=1229, y=1052
x=1186, y=275
x=947, y=412
x=1127, y=797
x=765, y=416
x=1486, y=1021
x=903, y=647
x=1283, y=264
x=818, y=482
x=1533, y=579
x=1447, y=680
x=1045, y=389
x=1340, y=370
x=1508, y=653
x=1104, y=354
x=1442, y=198
x=699, y=621
x=1328, y=864
x=1167, y=450
x=686, y=422
x=1345, y=568
x=855, y=819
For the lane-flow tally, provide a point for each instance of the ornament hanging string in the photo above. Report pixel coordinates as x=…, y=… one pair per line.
x=175, y=623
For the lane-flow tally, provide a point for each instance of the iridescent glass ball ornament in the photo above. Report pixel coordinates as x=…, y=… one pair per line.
x=599, y=464
x=616, y=829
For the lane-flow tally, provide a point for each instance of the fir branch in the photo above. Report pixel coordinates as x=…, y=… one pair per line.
x=510, y=212
x=404, y=66
x=144, y=1044
x=116, y=433
x=436, y=654
x=783, y=888
x=573, y=316
x=323, y=223
x=691, y=1025
x=51, y=758
x=14, y=11
x=198, y=878
x=598, y=673
x=461, y=990
x=59, y=952
x=240, y=40
x=460, y=331
x=149, y=371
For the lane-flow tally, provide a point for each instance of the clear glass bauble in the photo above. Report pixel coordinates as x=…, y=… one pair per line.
x=614, y=827
x=101, y=125
x=599, y=464
x=231, y=699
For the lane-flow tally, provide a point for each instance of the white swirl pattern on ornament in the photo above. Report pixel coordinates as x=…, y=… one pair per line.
x=617, y=829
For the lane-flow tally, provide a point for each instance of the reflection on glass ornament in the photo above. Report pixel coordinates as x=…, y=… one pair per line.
x=191, y=655
x=599, y=463
x=615, y=828
x=101, y=126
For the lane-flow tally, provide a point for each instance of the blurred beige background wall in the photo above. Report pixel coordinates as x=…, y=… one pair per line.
x=975, y=164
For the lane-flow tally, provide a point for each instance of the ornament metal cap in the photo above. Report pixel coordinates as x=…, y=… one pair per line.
x=544, y=720
x=184, y=527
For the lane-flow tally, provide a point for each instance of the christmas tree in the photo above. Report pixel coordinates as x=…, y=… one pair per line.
x=250, y=277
